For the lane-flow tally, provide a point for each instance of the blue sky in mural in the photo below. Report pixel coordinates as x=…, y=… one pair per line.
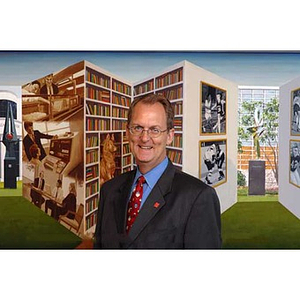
x=244, y=68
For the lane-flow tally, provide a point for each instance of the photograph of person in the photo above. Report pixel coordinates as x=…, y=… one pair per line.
x=156, y=205
x=213, y=162
x=213, y=109
x=295, y=112
x=295, y=162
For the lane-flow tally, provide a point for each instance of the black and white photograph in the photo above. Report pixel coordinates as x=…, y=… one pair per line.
x=295, y=112
x=213, y=162
x=295, y=162
x=213, y=109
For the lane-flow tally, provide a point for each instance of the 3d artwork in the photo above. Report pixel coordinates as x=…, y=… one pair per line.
x=213, y=109
x=295, y=112
x=213, y=161
x=295, y=162
x=10, y=139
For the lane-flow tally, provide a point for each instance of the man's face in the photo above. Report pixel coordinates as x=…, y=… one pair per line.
x=295, y=151
x=149, y=152
x=30, y=129
x=49, y=80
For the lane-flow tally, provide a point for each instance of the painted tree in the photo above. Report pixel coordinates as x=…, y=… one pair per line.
x=260, y=123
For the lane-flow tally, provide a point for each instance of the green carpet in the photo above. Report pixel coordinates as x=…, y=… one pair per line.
x=260, y=225
x=25, y=226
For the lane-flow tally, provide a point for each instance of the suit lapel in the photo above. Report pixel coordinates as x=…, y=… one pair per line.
x=121, y=202
x=154, y=202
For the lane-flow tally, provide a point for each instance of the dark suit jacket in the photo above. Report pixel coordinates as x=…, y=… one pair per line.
x=180, y=212
x=69, y=204
x=43, y=90
x=35, y=195
x=27, y=142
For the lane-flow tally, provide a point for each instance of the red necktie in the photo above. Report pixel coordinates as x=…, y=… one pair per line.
x=135, y=203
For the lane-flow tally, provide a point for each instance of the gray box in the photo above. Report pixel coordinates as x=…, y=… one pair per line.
x=257, y=177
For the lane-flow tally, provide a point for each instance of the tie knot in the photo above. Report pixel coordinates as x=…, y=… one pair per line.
x=141, y=180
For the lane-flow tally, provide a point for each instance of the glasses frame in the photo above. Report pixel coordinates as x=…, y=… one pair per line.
x=130, y=128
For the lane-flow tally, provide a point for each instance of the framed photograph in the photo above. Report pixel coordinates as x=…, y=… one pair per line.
x=295, y=112
x=295, y=162
x=212, y=110
x=213, y=161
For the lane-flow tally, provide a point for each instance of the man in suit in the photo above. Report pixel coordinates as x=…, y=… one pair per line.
x=34, y=137
x=156, y=206
x=39, y=183
x=49, y=88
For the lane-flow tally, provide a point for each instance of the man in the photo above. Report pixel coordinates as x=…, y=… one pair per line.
x=49, y=88
x=34, y=137
x=170, y=209
x=209, y=158
x=220, y=158
x=295, y=163
x=57, y=194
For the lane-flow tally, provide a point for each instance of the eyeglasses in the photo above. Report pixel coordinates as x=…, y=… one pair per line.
x=153, y=132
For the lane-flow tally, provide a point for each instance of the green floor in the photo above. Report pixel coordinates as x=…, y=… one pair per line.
x=254, y=222
x=25, y=226
x=260, y=222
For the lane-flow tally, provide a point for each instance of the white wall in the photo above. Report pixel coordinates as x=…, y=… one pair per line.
x=289, y=194
x=227, y=192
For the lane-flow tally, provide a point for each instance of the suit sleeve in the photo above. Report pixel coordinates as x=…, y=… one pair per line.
x=203, y=229
x=41, y=135
x=97, y=237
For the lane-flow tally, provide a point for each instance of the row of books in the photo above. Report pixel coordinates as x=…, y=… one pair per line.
x=119, y=112
x=118, y=125
x=91, y=172
x=121, y=87
x=92, y=140
x=92, y=156
x=175, y=156
x=178, y=108
x=97, y=94
x=169, y=78
x=126, y=149
x=172, y=93
x=92, y=188
x=90, y=220
x=97, y=110
x=97, y=78
x=178, y=124
x=177, y=141
x=120, y=100
x=127, y=160
x=144, y=87
x=97, y=124
x=91, y=204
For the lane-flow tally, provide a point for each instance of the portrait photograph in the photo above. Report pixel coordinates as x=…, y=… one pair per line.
x=295, y=162
x=212, y=109
x=213, y=161
x=295, y=112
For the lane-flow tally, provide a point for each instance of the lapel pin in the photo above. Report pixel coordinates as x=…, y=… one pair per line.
x=156, y=204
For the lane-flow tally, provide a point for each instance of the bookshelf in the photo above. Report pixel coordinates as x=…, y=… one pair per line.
x=107, y=100
x=169, y=84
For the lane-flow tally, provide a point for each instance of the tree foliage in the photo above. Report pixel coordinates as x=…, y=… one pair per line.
x=265, y=133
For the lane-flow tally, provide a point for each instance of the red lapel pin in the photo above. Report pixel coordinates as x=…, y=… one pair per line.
x=156, y=204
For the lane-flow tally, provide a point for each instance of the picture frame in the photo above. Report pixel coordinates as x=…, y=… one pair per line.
x=295, y=112
x=294, y=171
x=213, y=161
x=213, y=109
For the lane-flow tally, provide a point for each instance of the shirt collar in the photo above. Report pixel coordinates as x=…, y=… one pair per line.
x=153, y=175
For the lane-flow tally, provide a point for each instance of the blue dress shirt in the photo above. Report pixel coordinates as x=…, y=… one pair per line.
x=151, y=179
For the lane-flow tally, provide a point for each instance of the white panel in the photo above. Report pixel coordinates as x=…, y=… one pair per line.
x=289, y=194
